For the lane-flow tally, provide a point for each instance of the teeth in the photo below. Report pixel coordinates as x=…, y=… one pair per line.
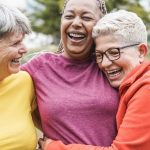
x=77, y=35
x=15, y=60
x=115, y=72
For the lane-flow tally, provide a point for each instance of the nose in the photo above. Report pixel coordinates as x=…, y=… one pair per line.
x=77, y=22
x=106, y=62
x=22, y=49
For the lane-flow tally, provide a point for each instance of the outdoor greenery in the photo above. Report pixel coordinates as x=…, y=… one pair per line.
x=45, y=14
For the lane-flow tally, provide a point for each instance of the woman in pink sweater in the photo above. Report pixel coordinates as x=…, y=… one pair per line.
x=73, y=94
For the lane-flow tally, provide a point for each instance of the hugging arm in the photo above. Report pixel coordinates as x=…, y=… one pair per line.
x=134, y=131
x=36, y=119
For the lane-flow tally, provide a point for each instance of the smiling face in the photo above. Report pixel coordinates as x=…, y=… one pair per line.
x=11, y=51
x=77, y=23
x=118, y=69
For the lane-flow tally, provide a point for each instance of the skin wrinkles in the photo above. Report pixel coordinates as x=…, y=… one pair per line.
x=11, y=48
x=122, y=66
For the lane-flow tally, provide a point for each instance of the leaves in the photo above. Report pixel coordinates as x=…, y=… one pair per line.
x=45, y=15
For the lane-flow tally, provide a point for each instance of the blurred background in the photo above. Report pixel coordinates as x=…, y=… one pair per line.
x=45, y=18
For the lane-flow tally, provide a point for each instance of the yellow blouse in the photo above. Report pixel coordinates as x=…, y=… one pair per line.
x=17, y=100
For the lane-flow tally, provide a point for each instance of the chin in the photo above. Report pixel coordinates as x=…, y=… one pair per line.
x=115, y=84
x=14, y=71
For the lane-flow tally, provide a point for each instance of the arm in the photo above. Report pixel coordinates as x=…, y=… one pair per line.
x=36, y=119
x=134, y=131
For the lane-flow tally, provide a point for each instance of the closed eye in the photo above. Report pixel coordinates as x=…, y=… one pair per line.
x=87, y=18
x=68, y=16
x=99, y=55
x=16, y=43
x=113, y=52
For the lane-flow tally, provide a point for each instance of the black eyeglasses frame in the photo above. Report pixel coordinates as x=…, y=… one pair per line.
x=117, y=48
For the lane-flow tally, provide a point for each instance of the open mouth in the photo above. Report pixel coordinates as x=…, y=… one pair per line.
x=77, y=36
x=113, y=74
x=15, y=61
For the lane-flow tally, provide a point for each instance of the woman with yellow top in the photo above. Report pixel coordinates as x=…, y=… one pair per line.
x=17, y=131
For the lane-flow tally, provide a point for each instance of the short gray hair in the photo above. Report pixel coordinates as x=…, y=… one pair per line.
x=125, y=24
x=12, y=20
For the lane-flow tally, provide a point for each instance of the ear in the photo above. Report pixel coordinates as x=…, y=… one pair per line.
x=143, y=51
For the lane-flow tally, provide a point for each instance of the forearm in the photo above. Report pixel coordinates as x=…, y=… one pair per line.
x=133, y=132
x=58, y=145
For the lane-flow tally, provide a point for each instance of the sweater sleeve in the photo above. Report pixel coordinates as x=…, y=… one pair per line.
x=134, y=131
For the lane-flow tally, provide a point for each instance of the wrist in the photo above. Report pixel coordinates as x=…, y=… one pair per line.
x=54, y=145
x=47, y=143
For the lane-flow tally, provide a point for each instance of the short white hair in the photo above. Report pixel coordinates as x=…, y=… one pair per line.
x=12, y=20
x=127, y=25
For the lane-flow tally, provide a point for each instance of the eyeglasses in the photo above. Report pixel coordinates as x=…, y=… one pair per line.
x=112, y=53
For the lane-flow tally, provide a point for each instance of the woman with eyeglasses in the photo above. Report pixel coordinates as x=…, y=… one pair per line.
x=121, y=47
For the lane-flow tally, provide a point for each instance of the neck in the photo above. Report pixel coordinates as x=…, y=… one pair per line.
x=3, y=76
x=77, y=57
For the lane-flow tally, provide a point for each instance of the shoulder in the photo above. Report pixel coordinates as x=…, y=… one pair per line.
x=138, y=84
x=18, y=80
x=21, y=77
x=23, y=74
x=137, y=75
x=41, y=58
x=143, y=74
x=38, y=61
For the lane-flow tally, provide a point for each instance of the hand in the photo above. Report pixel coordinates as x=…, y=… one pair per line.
x=43, y=142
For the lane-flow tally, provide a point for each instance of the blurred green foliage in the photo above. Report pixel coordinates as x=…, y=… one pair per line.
x=45, y=17
x=36, y=51
x=46, y=14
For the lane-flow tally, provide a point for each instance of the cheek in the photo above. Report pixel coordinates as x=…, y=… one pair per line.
x=134, y=60
x=128, y=64
x=62, y=26
x=61, y=30
x=100, y=66
x=90, y=28
x=65, y=24
x=4, y=55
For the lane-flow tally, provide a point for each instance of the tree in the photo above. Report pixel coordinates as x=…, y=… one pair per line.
x=45, y=17
x=131, y=5
x=45, y=14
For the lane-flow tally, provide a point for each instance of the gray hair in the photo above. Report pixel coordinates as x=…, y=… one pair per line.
x=127, y=25
x=12, y=20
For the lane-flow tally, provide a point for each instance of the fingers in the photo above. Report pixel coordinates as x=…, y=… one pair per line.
x=43, y=142
x=45, y=138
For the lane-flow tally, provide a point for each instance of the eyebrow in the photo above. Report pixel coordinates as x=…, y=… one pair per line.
x=97, y=51
x=83, y=12
x=115, y=47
